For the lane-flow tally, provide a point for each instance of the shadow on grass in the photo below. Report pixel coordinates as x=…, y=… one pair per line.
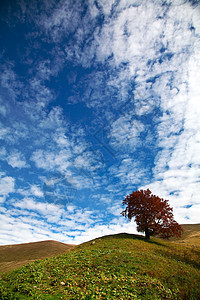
x=178, y=256
x=164, y=248
x=133, y=237
x=182, y=257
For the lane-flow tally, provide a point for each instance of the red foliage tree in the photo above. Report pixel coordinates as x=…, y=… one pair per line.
x=152, y=214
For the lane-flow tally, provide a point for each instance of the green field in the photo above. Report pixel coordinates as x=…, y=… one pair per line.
x=119, y=266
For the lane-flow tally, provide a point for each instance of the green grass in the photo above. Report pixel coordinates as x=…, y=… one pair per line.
x=121, y=266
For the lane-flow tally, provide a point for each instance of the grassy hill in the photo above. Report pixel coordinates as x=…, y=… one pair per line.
x=122, y=266
x=14, y=256
x=190, y=236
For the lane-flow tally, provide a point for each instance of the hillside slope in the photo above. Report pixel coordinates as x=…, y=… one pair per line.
x=122, y=266
x=14, y=256
x=191, y=235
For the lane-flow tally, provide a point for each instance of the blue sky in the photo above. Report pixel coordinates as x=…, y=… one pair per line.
x=97, y=98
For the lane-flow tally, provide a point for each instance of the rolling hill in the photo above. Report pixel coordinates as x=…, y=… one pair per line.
x=14, y=256
x=190, y=236
x=121, y=266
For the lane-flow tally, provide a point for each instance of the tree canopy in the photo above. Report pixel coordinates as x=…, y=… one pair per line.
x=153, y=215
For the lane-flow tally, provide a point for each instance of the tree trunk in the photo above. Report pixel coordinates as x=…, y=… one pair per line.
x=147, y=234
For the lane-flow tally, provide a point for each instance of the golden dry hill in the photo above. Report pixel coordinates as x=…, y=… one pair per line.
x=190, y=235
x=14, y=256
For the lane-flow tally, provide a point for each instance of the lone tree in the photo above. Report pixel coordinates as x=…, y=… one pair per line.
x=152, y=214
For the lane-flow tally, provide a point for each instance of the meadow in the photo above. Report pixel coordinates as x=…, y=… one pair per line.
x=121, y=266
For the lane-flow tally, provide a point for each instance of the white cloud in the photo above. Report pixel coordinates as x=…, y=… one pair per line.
x=7, y=186
x=64, y=19
x=138, y=33
x=54, y=120
x=57, y=214
x=4, y=131
x=71, y=208
x=51, y=212
x=35, y=221
x=161, y=50
x=50, y=160
x=102, y=230
x=9, y=81
x=106, y=6
x=17, y=160
x=150, y=52
x=192, y=213
x=3, y=108
x=36, y=191
x=14, y=158
x=70, y=156
x=125, y=132
x=14, y=229
x=177, y=164
x=129, y=172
